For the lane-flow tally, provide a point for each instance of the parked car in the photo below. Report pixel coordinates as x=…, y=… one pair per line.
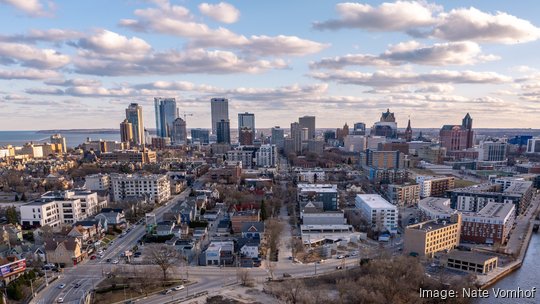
x=60, y=300
x=339, y=267
x=286, y=275
x=115, y=261
x=166, y=292
x=77, y=285
x=93, y=257
x=339, y=257
x=61, y=286
x=108, y=260
x=179, y=287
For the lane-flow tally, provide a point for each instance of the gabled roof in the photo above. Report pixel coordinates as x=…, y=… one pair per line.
x=252, y=227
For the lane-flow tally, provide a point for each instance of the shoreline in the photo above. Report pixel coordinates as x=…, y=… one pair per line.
x=508, y=269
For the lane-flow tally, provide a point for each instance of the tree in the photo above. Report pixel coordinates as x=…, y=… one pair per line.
x=164, y=257
x=16, y=197
x=274, y=229
x=11, y=215
x=264, y=216
x=23, y=197
x=14, y=291
x=245, y=278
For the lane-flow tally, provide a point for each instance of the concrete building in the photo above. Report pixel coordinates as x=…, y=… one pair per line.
x=245, y=157
x=219, y=111
x=129, y=156
x=314, y=216
x=135, y=116
x=533, y=145
x=434, y=185
x=179, y=132
x=39, y=213
x=154, y=187
x=355, y=143
x=220, y=253
x=403, y=194
x=386, y=126
x=309, y=123
x=428, y=238
x=494, y=152
x=359, y=128
x=59, y=140
x=434, y=208
x=201, y=136
x=325, y=193
x=381, y=215
x=126, y=132
x=470, y=261
x=382, y=159
x=316, y=175
x=296, y=137
x=491, y=225
x=267, y=156
x=431, y=154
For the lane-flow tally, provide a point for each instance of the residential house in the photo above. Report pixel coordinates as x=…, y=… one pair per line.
x=114, y=217
x=249, y=248
x=252, y=230
x=164, y=228
x=64, y=251
x=12, y=233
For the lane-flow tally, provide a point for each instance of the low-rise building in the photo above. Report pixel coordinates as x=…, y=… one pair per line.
x=220, y=253
x=381, y=215
x=470, y=261
x=325, y=193
x=64, y=251
x=246, y=216
x=154, y=187
x=129, y=156
x=97, y=182
x=435, y=208
x=253, y=230
x=430, y=237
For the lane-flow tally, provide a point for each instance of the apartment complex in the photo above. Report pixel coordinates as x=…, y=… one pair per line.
x=491, y=225
x=267, y=156
x=129, y=156
x=97, y=182
x=403, y=195
x=154, y=187
x=434, y=185
x=325, y=193
x=380, y=213
x=428, y=238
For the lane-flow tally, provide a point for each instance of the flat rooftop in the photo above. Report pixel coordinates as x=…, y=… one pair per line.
x=431, y=225
x=492, y=211
x=469, y=256
x=375, y=201
x=436, y=205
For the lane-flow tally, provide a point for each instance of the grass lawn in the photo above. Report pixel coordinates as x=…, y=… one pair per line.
x=460, y=183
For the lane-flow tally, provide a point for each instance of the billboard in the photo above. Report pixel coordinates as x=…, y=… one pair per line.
x=12, y=268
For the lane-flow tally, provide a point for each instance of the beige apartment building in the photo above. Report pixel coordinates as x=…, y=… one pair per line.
x=428, y=238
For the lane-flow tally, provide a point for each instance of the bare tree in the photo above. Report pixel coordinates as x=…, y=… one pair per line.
x=271, y=269
x=245, y=277
x=293, y=291
x=164, y=257
x=274, y=229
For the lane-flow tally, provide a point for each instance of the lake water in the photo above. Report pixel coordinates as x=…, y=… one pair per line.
x=18, y=138
x=526, y=277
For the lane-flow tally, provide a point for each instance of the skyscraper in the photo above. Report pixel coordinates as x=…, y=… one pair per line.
x=223, y=130
x=126, y=132
x=200, y=136
x=296, y=136
x=309, y=123
x=359, y=128
x=179, y=132
x=278, y=137
x=59, y=139
x=135, y=117
x=166, y=113
x=246, y=120
x=219, y=110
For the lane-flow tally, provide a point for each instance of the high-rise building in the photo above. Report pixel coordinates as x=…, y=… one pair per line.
x=126, y=132
x=296, y=136
x=359, y=128
x=219, y=110
x=223, y=130
x=135, y=117
x=533, y=145
x=179, y=132
x=246, y=120
x=386, y=126
x=166, y=113
x=266, y=156
x=341, y=133
x=457, y=137
x=309, y=123
x=201, y=136
x=490, y=151
x=278, y=137
x=305, y=134
x=246, y=136
x=59, y=139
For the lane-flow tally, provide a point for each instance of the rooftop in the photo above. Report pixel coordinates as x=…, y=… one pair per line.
x=469, y=256
x=431, y=225
x=375, y=201
x=436, y=205
x=493, y=211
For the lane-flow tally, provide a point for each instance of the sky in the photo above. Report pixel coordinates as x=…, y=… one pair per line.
x=78, y=64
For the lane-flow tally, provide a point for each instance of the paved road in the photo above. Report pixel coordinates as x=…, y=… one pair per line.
x=91, y=272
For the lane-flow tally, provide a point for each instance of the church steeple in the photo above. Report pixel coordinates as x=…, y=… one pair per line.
x=408, y=132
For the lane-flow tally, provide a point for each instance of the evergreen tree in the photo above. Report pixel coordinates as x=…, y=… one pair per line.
x=264, y=216
x=16, y=197
x=23, y=197
x=11, y=215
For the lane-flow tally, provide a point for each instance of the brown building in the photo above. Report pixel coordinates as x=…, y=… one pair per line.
x=457, y=137
x=403, y=195
x=382, y=159
x=246, y=136
x=402, y=147
x=428, y=238
x=491, y=225
x=131, y=156
x=435, y=185
x=63, y=251
x=240, y=217
x=126, y=132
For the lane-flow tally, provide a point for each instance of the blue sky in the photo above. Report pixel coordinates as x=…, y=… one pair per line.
x=78, y=64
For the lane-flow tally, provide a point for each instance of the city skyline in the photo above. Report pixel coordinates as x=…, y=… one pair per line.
x=431, y=62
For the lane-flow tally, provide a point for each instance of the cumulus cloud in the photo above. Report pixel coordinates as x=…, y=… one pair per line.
x=390, y=79
x=30, y=56
x=30, y=7
x=178, y=21
x=473, y=24
x=398, y=16
x=115, y=46
x=222, y=12
x=439, y=54
x=420, y=19
x=28, y=74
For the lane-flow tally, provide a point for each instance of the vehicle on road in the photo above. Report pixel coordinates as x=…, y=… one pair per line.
x=339, y=267
x=93, y=257
x=61, y=286
x=100, y=251
x=60, y=300
x=115, y=261
x=179, y=287
x=339, y=257
x=286, y=275
x=108, y=260
x=166, y=292
x=77, y=285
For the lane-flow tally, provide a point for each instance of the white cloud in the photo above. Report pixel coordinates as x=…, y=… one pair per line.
x=50, y=35
x=393, y=78
x=113, y=45
x=30, y=7
x=439, y=54
x=177, y=20
x=29, y=74
x=222, y=12
x=473, y=24
x=32, y=57
x=398, y=16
